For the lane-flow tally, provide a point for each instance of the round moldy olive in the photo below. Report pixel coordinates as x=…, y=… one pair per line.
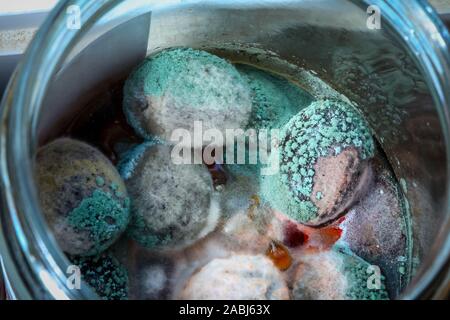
x=239, y=277
x=376, y=228
x=172, y=205
x=82, y=196
x=323, y=163
x=176, y=87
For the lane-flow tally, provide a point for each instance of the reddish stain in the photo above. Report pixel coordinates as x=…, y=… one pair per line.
x=296, y=235
x=293, y=236
x=341, y=219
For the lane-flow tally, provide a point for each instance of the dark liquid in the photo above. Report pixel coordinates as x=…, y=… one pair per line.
x=103, y=124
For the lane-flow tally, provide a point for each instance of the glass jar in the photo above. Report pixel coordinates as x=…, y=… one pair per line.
x=401, y=69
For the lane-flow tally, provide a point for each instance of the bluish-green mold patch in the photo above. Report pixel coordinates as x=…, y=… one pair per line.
x=129, y=160
x=275, y=192
x=338, y=274
x=103, y=216
x=190, y=77
x=76, y=191
x=275, y=99
x=361, y=278
x=105, y=275
x=140, y=232
x=157, y=74
x=325, y=128
x=100, y=181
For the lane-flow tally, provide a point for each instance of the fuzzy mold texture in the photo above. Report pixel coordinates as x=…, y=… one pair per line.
x=176, y=87
x=333, y=275
x=105, y=275
x=322, y=156
x=171, y=205
x=239, y=277
x=82, y=196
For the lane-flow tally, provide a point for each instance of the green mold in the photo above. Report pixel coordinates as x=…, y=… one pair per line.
x=356, y=270
x=338, y=274
x=325, y=128
x=140, y=232
x=175, y=71
x=75, y=181
x=105, y=275
x=275, y=191
x=103, y=216
x=158, y=74
x=100, y=181
x=275, y=99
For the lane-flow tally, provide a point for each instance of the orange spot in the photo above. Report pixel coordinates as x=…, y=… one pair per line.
x=279, y=255
x=329, y=236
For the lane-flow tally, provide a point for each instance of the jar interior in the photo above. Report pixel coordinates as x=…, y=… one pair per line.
x=319, y=44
